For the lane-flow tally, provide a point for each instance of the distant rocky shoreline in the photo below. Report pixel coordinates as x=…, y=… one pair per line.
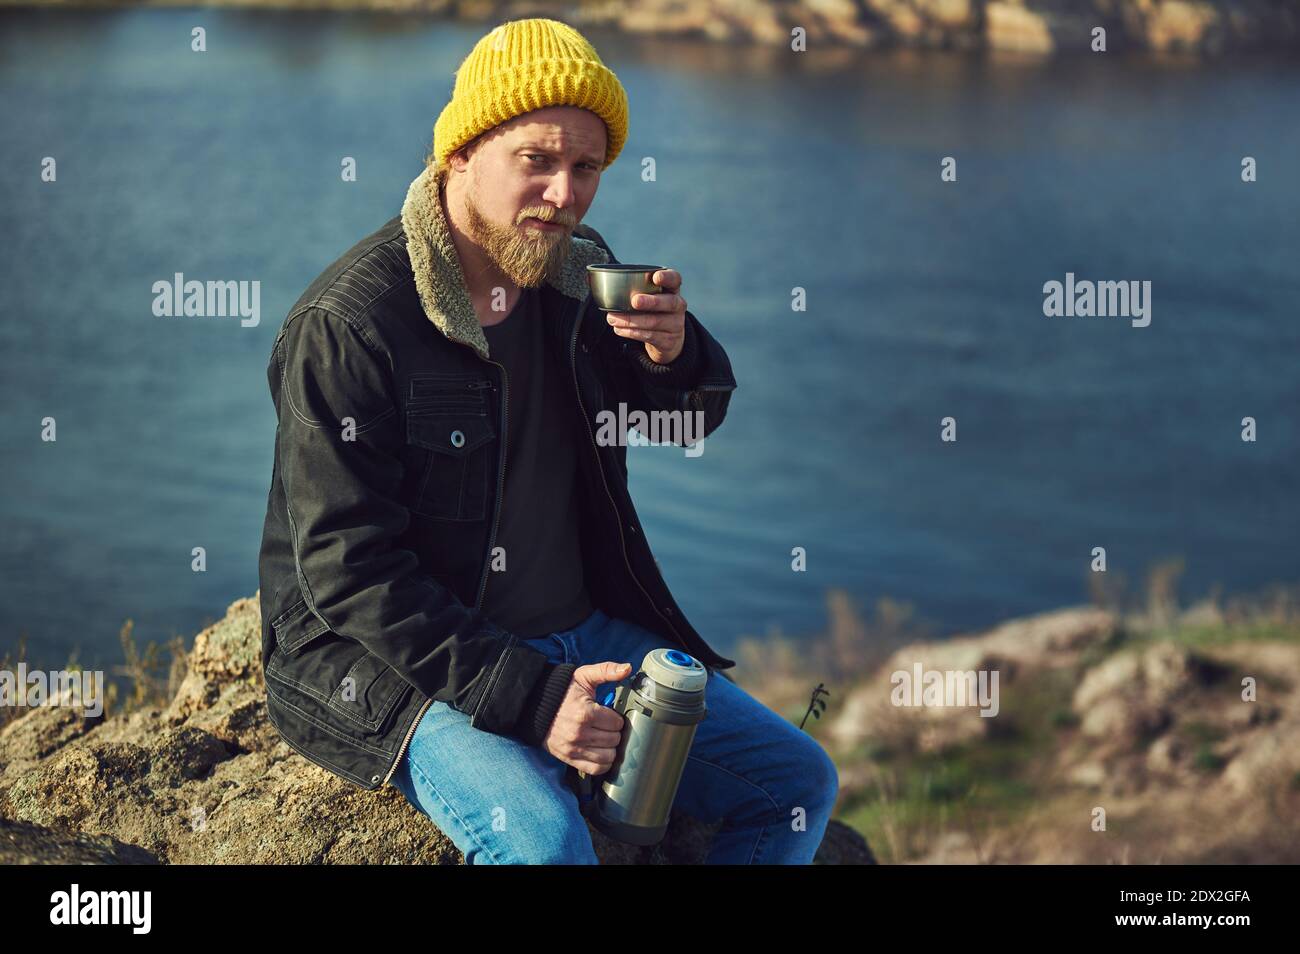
x=1207, y=28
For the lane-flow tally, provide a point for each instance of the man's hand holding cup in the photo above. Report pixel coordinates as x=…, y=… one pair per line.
x=659, y=320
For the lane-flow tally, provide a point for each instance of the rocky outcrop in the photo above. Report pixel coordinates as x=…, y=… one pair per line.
x=1015, y=650
x=1191, y=747
x=1166, y=717
x=206, y=779
x=1191, y=750
x=22, y=843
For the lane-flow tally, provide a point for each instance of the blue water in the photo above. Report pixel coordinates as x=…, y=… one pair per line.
x=774, y=170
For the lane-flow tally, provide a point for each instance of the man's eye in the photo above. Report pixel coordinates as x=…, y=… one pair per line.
x=586, y=165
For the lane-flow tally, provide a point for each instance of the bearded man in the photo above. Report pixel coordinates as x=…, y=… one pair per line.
x=452, y=570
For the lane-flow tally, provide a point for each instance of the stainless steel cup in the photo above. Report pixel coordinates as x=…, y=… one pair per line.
x=612, y=286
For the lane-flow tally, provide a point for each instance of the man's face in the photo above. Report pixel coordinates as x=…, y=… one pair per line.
x=543, y=165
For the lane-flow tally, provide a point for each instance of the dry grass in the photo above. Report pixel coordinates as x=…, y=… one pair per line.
x=153, y=681
x=146, y=678
x=1157, y=607
x=785, y=671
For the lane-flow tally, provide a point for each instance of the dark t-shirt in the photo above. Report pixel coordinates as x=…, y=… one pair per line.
x=542, y=588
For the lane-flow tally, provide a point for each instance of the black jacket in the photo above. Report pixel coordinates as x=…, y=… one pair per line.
x=386, y=490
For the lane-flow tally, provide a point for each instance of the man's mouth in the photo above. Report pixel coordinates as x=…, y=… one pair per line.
x=547, y=226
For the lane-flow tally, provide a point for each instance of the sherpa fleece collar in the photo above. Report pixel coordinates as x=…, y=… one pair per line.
x=438, y=276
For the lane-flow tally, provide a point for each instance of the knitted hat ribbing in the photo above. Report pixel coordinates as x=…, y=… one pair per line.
x=524, y=65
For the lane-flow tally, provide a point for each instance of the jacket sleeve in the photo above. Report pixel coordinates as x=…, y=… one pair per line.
x=337, y=449
x=697, y=380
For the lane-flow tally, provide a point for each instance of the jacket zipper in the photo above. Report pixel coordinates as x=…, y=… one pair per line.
x=501, y=481
x=487, y=560
x=406, y=741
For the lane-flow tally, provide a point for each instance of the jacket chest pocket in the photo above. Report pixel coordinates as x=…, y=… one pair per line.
x=457, y=437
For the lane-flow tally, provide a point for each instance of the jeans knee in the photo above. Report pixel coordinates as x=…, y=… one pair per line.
x=568, y=854
x=821, y=779
x=570, y=849
x=553, y=838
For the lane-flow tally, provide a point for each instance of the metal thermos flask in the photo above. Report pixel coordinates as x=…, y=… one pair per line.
x=661, y=705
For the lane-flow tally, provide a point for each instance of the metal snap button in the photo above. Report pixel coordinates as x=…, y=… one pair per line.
x=457, y=438
x=374, y=778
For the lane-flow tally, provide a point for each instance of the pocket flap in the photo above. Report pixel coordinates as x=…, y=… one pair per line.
x=297, y=627
x=436, y=386
x=448, y=431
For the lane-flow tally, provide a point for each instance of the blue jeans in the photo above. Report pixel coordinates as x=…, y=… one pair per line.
x=504, y=802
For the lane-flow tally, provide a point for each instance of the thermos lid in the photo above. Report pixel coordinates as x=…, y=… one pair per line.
x=675, y=670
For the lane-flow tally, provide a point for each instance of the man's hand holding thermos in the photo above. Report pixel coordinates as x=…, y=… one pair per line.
x=586, y=734
x=638, y=738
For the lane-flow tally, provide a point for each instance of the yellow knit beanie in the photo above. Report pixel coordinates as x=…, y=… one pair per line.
x=524, y=65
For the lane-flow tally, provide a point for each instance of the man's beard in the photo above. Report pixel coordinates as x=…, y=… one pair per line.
x=527, y=256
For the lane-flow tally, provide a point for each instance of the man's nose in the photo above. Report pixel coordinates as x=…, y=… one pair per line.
x=559, y=192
